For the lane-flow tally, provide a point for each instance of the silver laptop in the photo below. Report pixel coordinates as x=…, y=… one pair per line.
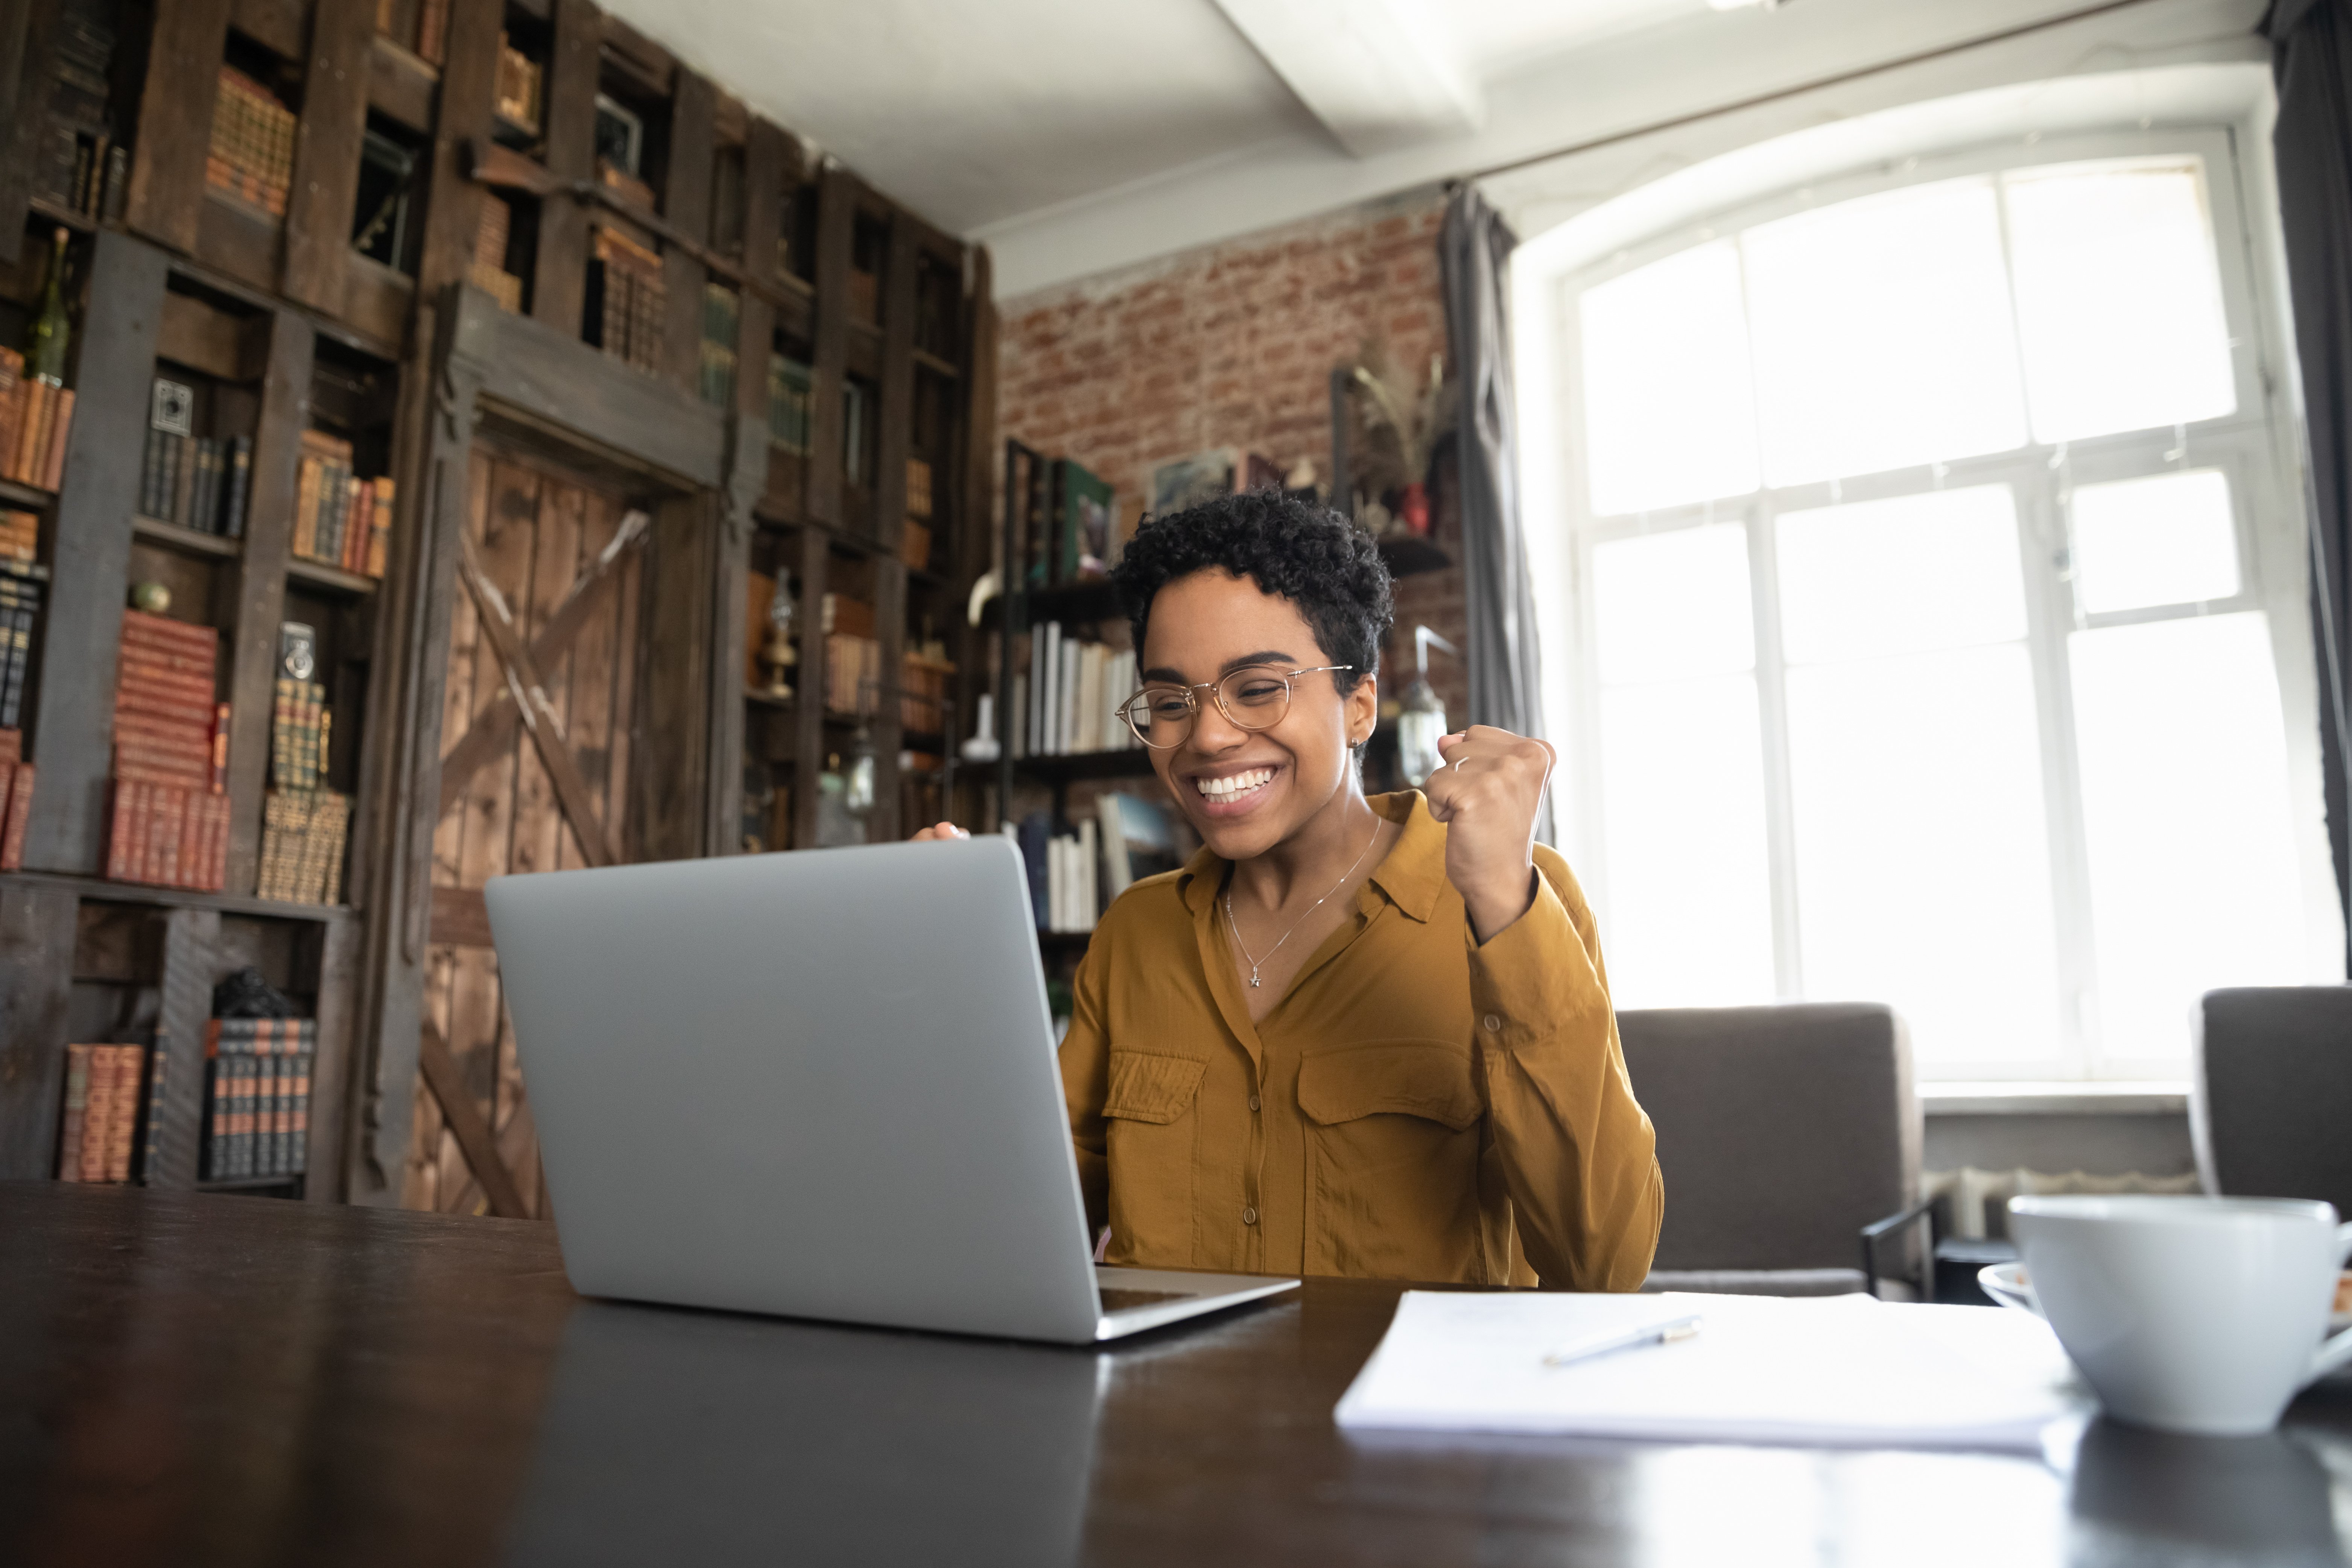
x=821, y=1084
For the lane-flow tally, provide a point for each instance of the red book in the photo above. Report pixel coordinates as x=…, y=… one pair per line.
x=27, y=445
x=120, y=1128
x=20, y=811
x=139, y=699
x=150, y=832
x=53, y=471
x=12, y=745
x=174, y=734
x=138, y=625
x=76, y=1114
x=99, y=1114
x=117, y=832
x=151, y=644
x=172, y=816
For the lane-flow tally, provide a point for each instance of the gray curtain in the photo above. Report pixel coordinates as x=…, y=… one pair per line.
x=1506, y=678
x=2312, y=41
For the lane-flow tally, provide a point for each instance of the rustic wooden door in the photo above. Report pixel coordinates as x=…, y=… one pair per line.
x=535, y=735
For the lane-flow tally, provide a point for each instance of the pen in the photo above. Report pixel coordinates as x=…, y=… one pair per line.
x=1660, y=1333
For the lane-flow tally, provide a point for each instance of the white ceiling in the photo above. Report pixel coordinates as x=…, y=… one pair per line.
x=1076, y=136
x=979, y=114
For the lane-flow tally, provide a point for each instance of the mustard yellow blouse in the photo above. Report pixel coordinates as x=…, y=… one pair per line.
x=1417, y=1107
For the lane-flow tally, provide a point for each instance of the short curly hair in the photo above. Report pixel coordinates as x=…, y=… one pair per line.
x=1309, y=555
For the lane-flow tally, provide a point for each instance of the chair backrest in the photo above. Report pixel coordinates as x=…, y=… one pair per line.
x=2270, y=1105
x=1783, y=1130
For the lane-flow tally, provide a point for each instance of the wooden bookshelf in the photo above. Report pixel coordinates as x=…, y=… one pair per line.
x=262, y=311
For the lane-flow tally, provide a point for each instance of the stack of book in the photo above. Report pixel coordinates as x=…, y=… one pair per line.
x=1072, y=695
x=721, y=314
x=20, y=607
x=101, y=1111
x=1075, y=875
x=15, y=799
x=304, y=824
x=915, y=544
x=299, y=726
x=339, y=517
x=197, y=482
x=302, y=837
x=789, y=383
x=488, y=272
x=853, y=675
x=923, y=692
x=252, y=155
x=35, y=415
x=171, y=815
x=627, y=299
x=258, y=1097
x=517, y=87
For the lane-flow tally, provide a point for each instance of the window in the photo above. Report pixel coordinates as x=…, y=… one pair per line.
x=1924, y=651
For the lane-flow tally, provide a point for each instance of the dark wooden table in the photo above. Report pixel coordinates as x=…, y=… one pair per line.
x=197, y=1379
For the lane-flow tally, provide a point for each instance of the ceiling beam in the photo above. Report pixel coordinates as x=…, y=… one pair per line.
x=1380, y=74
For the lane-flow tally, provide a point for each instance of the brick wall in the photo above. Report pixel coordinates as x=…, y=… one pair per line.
x=1232, y=346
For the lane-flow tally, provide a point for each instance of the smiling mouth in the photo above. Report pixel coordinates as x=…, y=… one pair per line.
x=1234, y=789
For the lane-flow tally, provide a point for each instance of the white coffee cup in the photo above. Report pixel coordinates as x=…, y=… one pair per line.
x=2189, y=1314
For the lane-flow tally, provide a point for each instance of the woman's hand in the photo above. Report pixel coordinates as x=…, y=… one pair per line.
x=936, y=832
x=1486, y=795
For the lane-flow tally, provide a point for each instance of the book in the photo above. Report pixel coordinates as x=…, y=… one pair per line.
x=240, y=483
x=72, y=1128
x=20, y=813
x=214, y=1160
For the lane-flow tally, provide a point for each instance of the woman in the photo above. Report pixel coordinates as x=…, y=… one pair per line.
x=1353, y=1036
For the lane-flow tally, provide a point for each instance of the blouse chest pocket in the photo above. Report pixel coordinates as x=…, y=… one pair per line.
x=1394, y=1159
x=1425, y=1079
x=1152, y=1138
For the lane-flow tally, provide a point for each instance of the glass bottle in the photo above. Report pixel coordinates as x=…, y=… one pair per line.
x=52, y=333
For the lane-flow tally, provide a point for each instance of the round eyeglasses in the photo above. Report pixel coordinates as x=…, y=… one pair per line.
x=1252, y=698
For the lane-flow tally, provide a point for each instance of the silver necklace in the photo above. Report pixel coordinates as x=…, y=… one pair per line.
x=1295, y=924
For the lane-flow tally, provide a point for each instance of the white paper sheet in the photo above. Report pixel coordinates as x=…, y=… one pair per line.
x=1834, y=1371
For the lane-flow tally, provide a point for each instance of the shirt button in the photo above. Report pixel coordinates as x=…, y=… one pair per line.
x=1493, y=1021
x=1249, y=1216
x=1253, y=1101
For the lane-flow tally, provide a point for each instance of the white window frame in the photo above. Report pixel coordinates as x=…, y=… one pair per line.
x=2257, y=447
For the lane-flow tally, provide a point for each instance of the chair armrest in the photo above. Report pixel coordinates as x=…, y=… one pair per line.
x=1879, y=1230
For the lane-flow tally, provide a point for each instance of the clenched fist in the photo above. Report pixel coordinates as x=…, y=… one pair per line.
x=1487, y=794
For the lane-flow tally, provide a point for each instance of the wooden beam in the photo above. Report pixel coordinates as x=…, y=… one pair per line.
x=258, y=584
x=318, y=208
x=277, y=25
x=808, y=713
x=685, y=203
x=836, y=216
x=175, y=120
x=191, y=951
x=559, y=288
x=73, y=721
x=331, y=1076
x=674, y=747
x=37, y=952
x=539, y=717
x=453, y=215
x=468, y=1125
x=766, y=151
x=893, y=445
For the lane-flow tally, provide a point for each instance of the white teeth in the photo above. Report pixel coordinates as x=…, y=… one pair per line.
x=1235, y=784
